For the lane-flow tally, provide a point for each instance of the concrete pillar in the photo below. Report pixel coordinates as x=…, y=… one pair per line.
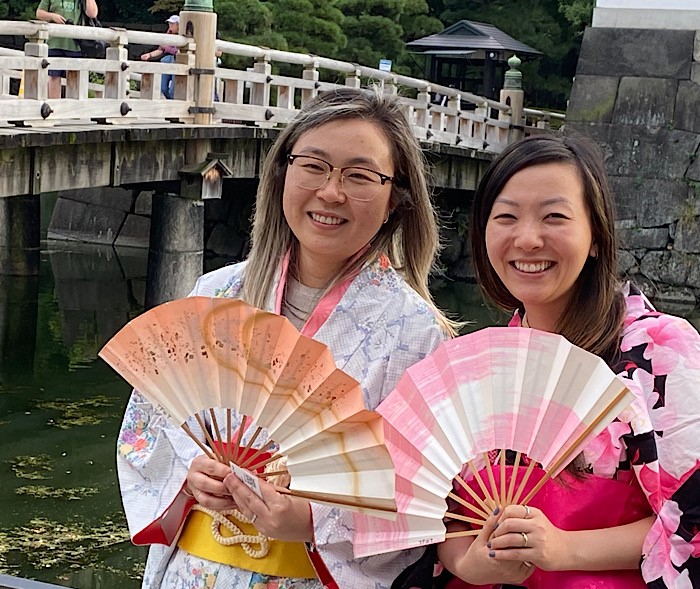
x=20, y=229
x=176, y=254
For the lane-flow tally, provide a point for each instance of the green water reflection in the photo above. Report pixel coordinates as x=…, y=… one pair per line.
x=60, y=409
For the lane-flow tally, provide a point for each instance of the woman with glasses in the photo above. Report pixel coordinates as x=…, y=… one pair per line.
x=344, y=238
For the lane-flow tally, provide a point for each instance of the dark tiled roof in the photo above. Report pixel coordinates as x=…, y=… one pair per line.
x=470, y=35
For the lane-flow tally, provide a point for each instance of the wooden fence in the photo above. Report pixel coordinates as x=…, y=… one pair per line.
x=266, y=91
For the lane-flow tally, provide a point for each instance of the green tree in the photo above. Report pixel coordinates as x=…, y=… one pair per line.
x=18, y=9
x=578, y=12
x=539, y=24
x=309, y=26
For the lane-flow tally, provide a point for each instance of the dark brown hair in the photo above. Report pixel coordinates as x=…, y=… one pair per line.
x=593, y=318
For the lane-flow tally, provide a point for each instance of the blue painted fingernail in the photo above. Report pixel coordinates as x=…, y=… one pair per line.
x=495, y=511
x=492, y=554
x=488, y=544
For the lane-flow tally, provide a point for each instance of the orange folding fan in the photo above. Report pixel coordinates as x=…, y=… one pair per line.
x=454, y=414
x=193, y=355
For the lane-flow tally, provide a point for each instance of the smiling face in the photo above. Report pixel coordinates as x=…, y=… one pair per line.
x=329, y=226
x=538, y=238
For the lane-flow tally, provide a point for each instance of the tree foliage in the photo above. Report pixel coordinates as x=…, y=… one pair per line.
x=365, y=31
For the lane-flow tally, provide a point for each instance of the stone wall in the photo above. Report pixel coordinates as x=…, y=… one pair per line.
x=637, y=94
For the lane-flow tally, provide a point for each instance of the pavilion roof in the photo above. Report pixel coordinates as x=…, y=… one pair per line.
x=466, y=37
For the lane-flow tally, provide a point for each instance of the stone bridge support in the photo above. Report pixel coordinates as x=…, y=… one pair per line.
x=19, y=235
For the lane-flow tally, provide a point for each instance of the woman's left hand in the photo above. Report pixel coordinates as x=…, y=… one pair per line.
x=276, y=515
x=526, y=534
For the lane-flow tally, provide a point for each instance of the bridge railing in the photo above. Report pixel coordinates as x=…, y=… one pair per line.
x=267, y=92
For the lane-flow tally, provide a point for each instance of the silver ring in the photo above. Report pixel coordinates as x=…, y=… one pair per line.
x=524, y=535
x=255, y=515
x=527, y=511
x=527, y=563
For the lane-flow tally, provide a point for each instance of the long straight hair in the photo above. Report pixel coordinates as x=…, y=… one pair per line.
x=594, y=315
x=410, y=237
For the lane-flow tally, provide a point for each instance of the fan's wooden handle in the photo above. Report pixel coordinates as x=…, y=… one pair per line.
x=335, y=500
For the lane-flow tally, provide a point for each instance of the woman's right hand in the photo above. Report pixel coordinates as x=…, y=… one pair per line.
x=469, y=558
x=205, y=483
x=57, y=18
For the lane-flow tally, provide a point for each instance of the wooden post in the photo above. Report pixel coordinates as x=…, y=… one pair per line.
x=309, y=73
x=354, y=80
x=36, y=80
x=117, y=83
x=202, y=27
x=513, y=95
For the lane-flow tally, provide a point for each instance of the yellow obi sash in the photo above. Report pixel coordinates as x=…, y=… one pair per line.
x=283, y=559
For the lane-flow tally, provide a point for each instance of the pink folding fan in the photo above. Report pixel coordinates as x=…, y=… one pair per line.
x=454, y=414
x=191, y=356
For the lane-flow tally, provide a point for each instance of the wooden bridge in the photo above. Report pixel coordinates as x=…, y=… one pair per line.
x=112, y=126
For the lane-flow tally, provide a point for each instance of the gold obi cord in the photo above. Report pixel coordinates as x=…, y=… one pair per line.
x=228, y=537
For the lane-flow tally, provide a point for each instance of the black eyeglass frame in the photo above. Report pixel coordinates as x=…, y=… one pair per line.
x=383, y=178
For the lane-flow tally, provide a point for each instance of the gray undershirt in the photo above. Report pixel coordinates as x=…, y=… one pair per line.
x=299, y=301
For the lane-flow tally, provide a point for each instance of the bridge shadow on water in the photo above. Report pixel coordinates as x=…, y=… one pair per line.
x=60, y=409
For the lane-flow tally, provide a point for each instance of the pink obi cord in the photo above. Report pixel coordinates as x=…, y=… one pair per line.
x=572, y=504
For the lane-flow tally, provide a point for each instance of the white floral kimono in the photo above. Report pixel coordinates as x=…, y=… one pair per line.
x=376, y=326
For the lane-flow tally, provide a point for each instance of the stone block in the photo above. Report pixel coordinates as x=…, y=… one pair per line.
x=695, y=72
x=645, y=101
x=592, y=99
x=641, y=152
x=106, y=196
x=687, y=107
x=636, y=52
x=649, y=202
x=626, y=263
x=694, y=273
x=134, y=232
x=693, y=173
x=687, y=237
x=90, y=223
x=144, y=203
x=668, y=267
x=653, y=239
x=696, y=47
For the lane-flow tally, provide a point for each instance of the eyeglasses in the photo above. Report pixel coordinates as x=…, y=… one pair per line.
x=313, y=173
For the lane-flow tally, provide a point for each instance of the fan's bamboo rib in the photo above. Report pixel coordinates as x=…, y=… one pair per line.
x=272, y=473
x=469, y=506
x=564, y=458
x=207, y=435
x=526, y=478
x=251, y=441
x=239, y=437
x=256, y=465
x=257, y=453
x=462, y=534
x=489, y=500
x=513, y=478
x=217, y=433
x=502, y=456
x=228, y=425
x=190, y=433
x=492, y=480
x=465, y=518
x=474, y=496
x=334, y=499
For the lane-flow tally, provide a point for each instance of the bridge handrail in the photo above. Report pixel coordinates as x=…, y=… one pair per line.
x=252, y=95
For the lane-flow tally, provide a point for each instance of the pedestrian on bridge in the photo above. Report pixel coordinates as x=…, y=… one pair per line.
x=63, y=12
x=344, y=237
x=166, y=54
